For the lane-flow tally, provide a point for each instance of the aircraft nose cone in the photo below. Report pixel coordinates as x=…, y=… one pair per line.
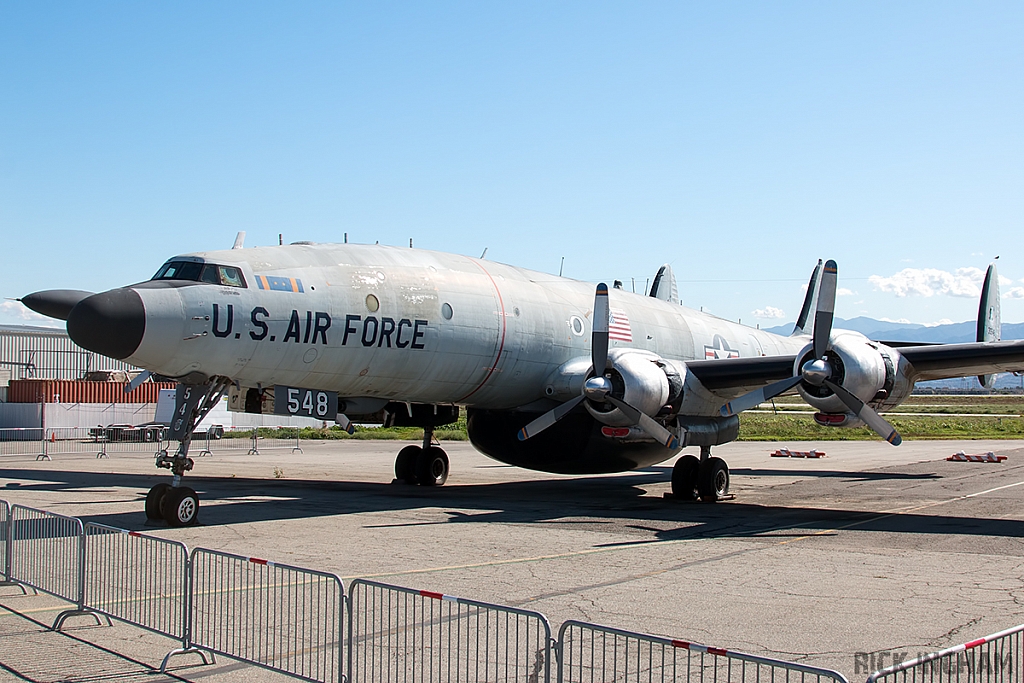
x=54, y=303
x=111, y=323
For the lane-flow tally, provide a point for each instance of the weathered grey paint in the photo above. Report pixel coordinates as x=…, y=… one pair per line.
x=510, y=328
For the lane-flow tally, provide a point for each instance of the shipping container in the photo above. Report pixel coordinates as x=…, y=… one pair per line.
x=79, y=391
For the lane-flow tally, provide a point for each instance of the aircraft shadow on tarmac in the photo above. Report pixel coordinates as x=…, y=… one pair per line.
x=609, y=500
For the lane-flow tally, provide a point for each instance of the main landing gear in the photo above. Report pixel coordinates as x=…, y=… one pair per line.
x=706, y=479
x=176, y=504
x=426, y=465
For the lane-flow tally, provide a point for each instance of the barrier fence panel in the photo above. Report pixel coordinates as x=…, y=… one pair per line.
x=102, y=441
x=255, y=439
x=21, y=441
x=404, y=635
x=47, y=553
x=138, y=579
x=993, y=659
x=280, y=617
x=598, y=654
x=5, y=540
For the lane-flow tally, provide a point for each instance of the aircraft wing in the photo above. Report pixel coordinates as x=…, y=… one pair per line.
x=964, y=360
x=929, y=361
x=727, y=375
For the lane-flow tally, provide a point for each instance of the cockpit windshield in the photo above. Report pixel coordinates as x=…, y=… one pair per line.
x=228, y=276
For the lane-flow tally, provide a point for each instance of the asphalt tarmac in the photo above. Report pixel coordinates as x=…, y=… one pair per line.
x=872, y=549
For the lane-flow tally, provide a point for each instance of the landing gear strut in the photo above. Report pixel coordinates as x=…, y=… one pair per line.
x=425, y=465
x=706, y=478
x=176, y=504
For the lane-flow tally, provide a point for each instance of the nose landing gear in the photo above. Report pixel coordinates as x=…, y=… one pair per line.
x=176, y=504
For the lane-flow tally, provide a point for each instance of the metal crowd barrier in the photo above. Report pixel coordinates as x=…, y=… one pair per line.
x=102, y=441
x=137, y=579
x=140, y=580
x=599, y=654
x=279, y=440
x=400, y=634
x=276, y=616
x=298, y=622
x=47, y=553
x=992, y=659
x=5, y=542
x=22, y=441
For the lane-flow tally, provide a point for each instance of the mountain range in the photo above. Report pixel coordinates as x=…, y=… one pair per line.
x=883, y=330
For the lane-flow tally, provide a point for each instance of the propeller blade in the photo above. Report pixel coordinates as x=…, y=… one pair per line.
x=599, y=340
x=826, y=308
x=549, y=418
x=866, y=413
x=758, y=396
x=342, y=420
x=139, y=379
x=646, y=423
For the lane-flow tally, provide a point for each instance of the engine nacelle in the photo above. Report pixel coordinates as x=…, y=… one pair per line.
x=873, y=372
x=640, y=379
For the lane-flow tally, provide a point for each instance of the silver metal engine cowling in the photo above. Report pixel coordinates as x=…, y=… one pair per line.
x=639, y=378
x=873, y=372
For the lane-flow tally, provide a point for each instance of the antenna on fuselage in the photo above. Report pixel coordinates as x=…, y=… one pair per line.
x=280, y=239
x=484, y=254
x=239, y=239
x=561, y=266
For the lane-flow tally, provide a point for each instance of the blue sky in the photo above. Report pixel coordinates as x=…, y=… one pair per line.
x=739, y=142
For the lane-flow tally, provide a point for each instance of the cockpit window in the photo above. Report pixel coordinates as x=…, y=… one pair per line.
x=228, y=276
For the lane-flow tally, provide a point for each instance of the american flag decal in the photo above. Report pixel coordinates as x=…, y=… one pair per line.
x=618, y=326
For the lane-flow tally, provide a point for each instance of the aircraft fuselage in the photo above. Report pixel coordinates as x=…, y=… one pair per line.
x=407, y=325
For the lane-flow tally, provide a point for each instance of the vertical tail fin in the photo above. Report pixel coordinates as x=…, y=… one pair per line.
x=812, y=293
x=990, y=326
x=664, y=286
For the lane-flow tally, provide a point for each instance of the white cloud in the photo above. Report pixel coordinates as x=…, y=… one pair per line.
x=904, y=321
x=843, y=291
x=1015, y=293
x=769, y=313
x=965, y=282
x=18, y=311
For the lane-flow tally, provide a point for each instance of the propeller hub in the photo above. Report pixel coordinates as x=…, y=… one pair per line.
x=597, y=388
x=815, y=372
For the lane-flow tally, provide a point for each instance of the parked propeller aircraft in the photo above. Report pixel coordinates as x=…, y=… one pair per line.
x=553, y=375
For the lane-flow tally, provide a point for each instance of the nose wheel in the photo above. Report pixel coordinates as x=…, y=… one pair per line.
x=173, y=503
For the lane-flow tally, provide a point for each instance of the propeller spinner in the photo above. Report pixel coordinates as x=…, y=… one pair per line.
x=817, y=371
x=598, y=388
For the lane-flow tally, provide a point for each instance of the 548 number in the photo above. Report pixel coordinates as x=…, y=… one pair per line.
x=315, y=403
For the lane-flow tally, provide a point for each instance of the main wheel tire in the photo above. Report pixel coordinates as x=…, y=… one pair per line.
x=713, y=482
x=180, y=507
x=432, y=467
x=405, y=464
x=154, y=499
x=684, y=478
